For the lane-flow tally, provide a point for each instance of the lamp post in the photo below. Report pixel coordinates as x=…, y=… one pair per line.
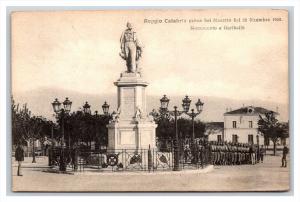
x=105, y=108
x=87, y=111
x=199, y=106
x=61, y=112
x=186, y=106
x=87, y=108
x=50, y=155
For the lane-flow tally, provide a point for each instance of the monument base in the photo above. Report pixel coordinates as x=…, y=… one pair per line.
x=130, y=135
x=131, y=127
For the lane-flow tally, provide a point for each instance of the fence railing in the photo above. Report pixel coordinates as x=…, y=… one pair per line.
x=112, y=160
x=150, y=160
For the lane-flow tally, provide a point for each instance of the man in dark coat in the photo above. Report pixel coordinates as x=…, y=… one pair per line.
x=284, y=154
x=19, y=156
x=261, y=153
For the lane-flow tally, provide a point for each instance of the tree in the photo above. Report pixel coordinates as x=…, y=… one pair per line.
x=272, y=129
x=101, y=137
x=27, y=128
x=186, y=130
x=76, y=126
x=35, y=125
x=17, y=136
x=166, y=123
x=45, y=133
x=87, y=128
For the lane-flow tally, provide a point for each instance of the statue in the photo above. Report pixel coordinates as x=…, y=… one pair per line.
x=138, y=114
x=115, y=116
x=131, y=50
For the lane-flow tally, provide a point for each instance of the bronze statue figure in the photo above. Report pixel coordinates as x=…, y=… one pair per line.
x=131, y=50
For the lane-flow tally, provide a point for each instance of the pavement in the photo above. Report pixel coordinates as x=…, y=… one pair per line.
x=267, y=176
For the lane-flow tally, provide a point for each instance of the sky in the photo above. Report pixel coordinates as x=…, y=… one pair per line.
x=79, y=51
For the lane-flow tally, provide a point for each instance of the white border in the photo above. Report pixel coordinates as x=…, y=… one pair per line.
x=124, y=4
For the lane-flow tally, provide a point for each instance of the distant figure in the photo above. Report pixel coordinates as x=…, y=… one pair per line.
x=252, y=154
x=19, y=156
x=186, y=152
x=261, y=153
x=284, y=154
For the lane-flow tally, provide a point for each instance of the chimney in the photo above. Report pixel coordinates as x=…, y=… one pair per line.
x=277, y=109
x=243, y=105
x=226, y=109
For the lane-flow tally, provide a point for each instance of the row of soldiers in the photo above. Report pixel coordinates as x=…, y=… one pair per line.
x=223, y=153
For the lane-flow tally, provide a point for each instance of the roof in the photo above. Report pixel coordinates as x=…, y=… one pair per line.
x=250, y=110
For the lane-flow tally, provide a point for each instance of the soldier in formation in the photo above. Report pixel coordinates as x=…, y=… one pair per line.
x=227, y=153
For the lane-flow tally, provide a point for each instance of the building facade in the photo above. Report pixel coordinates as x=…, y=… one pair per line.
x=241, y=126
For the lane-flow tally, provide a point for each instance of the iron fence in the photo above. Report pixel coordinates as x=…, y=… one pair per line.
x=161, y=159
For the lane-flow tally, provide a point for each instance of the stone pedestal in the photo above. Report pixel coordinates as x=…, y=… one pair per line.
x=131, y=127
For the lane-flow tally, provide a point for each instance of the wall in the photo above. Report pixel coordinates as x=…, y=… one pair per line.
x=242, y=128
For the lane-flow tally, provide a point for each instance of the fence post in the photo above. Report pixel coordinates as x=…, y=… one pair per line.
x=76, y=159
x=50, y=157
x=149, y=159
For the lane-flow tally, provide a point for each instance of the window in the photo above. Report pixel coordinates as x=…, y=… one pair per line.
x=219, y=138
x=234, y=124
x=250, y=124
x=234, y=138
x=250, y=139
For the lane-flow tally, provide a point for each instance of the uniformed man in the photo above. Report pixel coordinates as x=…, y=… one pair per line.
x=222, y=154
x=252, y=154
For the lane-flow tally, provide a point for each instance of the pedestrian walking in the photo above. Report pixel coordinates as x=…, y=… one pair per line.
x=284, y=154
x=19, y=156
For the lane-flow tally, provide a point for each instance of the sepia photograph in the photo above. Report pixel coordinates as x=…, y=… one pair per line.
x=178, y=100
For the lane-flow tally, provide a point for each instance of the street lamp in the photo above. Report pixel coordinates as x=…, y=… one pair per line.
x=193, y=115
x=186, y=102
x=105, y=108
x=164, y=102
x=61, y=112
x=56, y=106
x=67, y=105
x=86, y=108
x=199, y=106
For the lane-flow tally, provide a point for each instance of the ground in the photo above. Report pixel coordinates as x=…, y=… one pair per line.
x=267, y=176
